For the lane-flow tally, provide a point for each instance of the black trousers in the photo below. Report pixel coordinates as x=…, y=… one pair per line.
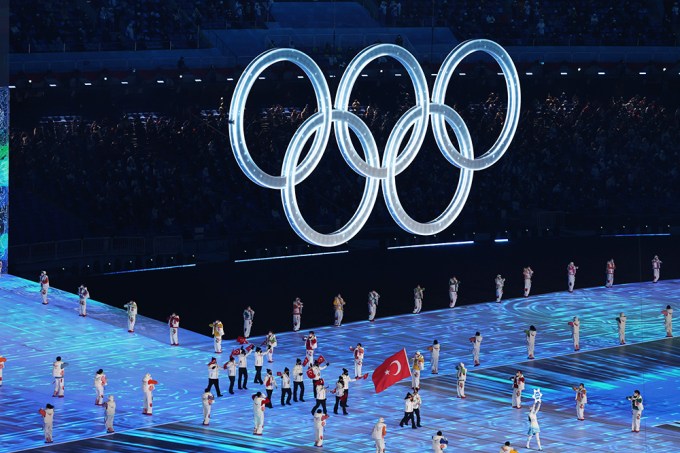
x=321, y=403
x=269, y=397
x=232, y=379
x=216, y=383
x=243, y=378
x=298, y=385
x=416, y=412
x=407, y=416
x=286, y=392
x=341, y=401
x=258, y=375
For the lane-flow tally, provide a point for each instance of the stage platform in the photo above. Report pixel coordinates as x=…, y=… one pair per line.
x=31, y=335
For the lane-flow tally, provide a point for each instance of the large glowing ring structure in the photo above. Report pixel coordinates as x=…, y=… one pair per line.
x=416, y=119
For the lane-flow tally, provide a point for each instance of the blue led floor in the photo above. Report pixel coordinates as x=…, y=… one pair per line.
x=31, y=335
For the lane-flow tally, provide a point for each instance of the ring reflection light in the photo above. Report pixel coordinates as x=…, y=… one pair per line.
x=319, y=125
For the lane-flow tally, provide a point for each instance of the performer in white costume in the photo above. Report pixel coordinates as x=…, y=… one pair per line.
x=575, y=326
x=131, y=308
x=500, y=282
x=636, y=408
x=610, y=273
x=373, y=298
x=44, y=286
x=173, y=323
x=109, y=413
x=571, y=276
x=581, y=401
x=248, y=316
x=48, y=419
x=418, y=364
x=358, y=360
x=378, y=435
x=621, y=321
x=214, y=376
x=656, y=268
x=439, y=442
x=340, y=397
x=298, y=381
x=461, y=376
x=297, y=314
x=207, y=399
x=339, y=310
x=243, y=368
x=258, y=412
x=271, y=344
x=531, y=341
x=434, y=349
x=58, y=375
x=83, y=295
x=310, y=346
x=286, y=392
x=408, y=412
x=230, y=366
x=668, y=320
x=517, y=388
x=476, y=347
x=418, y=294
x=527, y=273
x=269, y=385
x=453, y=291
x=534, y=429
x=148, y=386
x=319, y=422
x=417, y=403
x=99, y=383
x=217, y=332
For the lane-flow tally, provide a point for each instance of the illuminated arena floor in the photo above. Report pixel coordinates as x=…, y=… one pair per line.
x=31, y=335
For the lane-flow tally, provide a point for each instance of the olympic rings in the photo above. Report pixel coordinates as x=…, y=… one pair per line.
x=393, y=162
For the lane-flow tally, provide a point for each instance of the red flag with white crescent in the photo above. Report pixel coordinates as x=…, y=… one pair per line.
x=393, y=369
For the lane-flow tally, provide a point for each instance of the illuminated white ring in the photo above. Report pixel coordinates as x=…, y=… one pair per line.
x=422, y=104
x=446, y=218
x=237, y=110
x=368, y=198
x=511, y=117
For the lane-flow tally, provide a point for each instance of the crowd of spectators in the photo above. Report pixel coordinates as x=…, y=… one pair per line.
x=155, y=174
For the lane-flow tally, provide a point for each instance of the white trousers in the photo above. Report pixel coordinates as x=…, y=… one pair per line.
x=357, y=367
x=318, y=435
x=296, y=322
x=258, y=417
x=669, y=328
x=59, y=386
x=499, y=294
x=475, y=353
x=82, y=307
x=100, y=394
x=571, y=280
x=580, y=410
x=174, y=337
x=622, y=334
x=247, y=324
x=148, y=403
x=530, y=347
x=453, y=297
x=418, y=305
x=461, y=389
x=270, y=354
x=338, y=317
x=637, y=415
x=47, y=427
x=371, y=312
x=435, y=362
x=44, y=297
x=576, y=336
x=108, y=421
x=415, y=379
x=218, y=345
x=516, y=398
x=657, y=274
x=379, y=445
x=527, y=287
x=206, y=412
x=610, y=280
x=131, y=323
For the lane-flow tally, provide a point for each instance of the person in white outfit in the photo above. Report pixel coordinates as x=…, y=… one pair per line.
x=297, y=314
x=610, y=273
x=340, y=397
x=378, y=435
x=439, y=442
x=358, y=360
x=527, y=273
x=534, y=429
x=453, y=291
x=408, y=412
x=476, y=347
x=248, y=316
x=500, y=282
x=319, y=423
x=506, y=448
x=373, y=298
x=339, y=310
x=581, y=401
x=131, y=308
x=418, y=294
x=517, y=388
x=271, y=342
x=99, y=383
x=621, y=321
x=656, y=268
x=571, y=276
x=58, y=375
x=258, y=412
x=636, y=408
x=109, y=413
x=243, y=368
x=418, y=364
x=461, y=376
x=148, y=386
x=298, y=381
x=83, y=295
x=435, y=348
x=48, y=419
x=417, y=403
x=44, y=286
x=3, y=360
x=531, y=341
x=207, y=399
x=214, y=376
x=217, y=332
x=286, y=392
x=230, y=366
x=668, y=320
x=173, y=323
x=310, y=346
x=269, y=385
x=575, y=326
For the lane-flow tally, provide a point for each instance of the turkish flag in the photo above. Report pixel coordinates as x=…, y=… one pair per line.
x=241, y=340
x=393, y=369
